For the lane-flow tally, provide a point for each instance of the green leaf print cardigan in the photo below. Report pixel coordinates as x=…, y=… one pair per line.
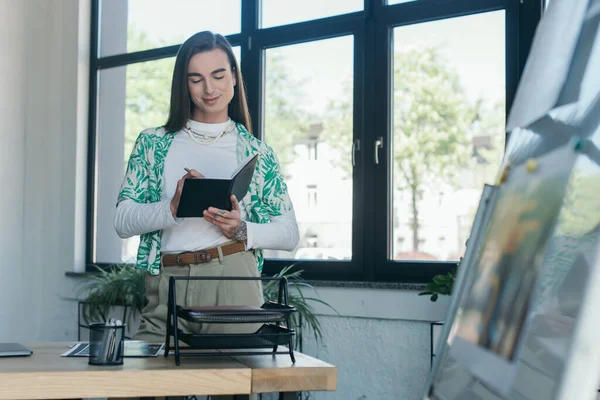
x=143, y=183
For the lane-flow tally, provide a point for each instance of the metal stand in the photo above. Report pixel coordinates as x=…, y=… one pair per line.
x=275, y=330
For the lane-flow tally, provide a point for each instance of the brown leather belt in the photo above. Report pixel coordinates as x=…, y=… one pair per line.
x=201, y=256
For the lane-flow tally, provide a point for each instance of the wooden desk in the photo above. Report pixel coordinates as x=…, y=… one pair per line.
x=47, y=375
x=278, y=374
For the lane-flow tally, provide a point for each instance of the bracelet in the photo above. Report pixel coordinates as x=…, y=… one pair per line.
x=241, y=232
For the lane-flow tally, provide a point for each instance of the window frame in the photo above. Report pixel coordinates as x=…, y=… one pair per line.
x=372, y=29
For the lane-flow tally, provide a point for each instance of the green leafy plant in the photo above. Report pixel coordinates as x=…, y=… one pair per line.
x=119, y=285
x=306, y=316
x=440, y=285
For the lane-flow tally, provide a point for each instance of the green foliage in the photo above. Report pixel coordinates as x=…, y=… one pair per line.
x=305, y=317
x=120, y=285
x=441, y=285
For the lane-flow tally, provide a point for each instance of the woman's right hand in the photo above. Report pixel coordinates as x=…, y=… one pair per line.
x=177, y=196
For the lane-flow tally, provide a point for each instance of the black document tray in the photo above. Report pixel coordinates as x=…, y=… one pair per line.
x=268, y=312
x=275, y=331
x=265, y=337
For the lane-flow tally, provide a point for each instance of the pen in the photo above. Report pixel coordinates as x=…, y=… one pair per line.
x=111, y=346
x=106, y=341
x=114, y=347
x=187, y=169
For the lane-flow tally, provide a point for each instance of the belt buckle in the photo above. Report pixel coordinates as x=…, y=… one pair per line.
x=202, y=256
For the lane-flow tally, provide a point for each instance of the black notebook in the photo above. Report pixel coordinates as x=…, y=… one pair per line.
x=200, y=193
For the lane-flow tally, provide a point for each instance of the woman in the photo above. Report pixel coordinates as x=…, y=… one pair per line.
x=207, y=133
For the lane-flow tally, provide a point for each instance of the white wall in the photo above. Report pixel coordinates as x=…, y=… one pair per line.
x=12, y=151
x=43, y=67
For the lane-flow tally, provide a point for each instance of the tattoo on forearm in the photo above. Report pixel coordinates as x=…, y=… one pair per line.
x=240, y=233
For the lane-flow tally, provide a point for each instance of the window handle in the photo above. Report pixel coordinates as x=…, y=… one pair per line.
x=355, y=148
x=378, y=145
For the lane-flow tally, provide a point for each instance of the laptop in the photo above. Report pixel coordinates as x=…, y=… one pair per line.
x=14, y=350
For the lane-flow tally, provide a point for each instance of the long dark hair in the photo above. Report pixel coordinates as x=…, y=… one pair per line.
x=181, y=104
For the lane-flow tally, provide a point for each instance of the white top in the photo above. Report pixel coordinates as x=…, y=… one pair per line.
x=217, y=159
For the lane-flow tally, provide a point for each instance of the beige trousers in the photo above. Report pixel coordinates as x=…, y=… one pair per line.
x=153, y=325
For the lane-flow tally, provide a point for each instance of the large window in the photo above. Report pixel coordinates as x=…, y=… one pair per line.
x=387, y=117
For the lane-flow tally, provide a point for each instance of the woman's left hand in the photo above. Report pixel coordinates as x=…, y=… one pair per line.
x=228, y=221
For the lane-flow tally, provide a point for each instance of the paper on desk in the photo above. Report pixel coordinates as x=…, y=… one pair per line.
x=548, y=63
x=132, y=348
x=76, y=349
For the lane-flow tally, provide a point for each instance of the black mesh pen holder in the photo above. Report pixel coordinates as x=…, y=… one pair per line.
x=275, y=331
x=106, y=344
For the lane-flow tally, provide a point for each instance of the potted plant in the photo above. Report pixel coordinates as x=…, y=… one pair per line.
x=440, y=285
x=119, y=285
x=306, y=316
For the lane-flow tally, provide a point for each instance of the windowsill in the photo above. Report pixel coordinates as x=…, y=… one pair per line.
x=73, y=274
x=369, y=285
x=319, y=283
